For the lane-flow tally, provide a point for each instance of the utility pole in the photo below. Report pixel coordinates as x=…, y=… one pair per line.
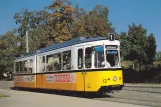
x=27, y=48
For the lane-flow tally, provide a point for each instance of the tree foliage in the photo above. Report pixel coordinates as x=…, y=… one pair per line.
x=97, y=23
x=137, y=46
x=124, y=45
x=9, y=49
x=61, y=22
x=35, y=23
x=138, y=43
x=30, y=20
x=151, y=49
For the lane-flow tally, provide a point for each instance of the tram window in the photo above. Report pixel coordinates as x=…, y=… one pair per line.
x=42, y=63
x=30, y=66
x=88, y=57
x=66, y=60
x=43, y=67
x=49, y=63
x=57, y=61
x=21, y=67
x=112, y=58
x=25, y=66
x=99, y=57
x=80, y=58
x=17, y=67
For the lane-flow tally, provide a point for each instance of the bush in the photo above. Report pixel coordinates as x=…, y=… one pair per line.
x=153, y=76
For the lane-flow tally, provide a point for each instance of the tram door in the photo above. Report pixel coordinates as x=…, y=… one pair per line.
x=84, y=62
x=80, y=64
x=40, y=76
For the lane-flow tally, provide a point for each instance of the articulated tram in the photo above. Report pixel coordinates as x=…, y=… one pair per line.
x=81, y=65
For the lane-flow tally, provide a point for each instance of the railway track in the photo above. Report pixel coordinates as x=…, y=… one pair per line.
x=131, y=97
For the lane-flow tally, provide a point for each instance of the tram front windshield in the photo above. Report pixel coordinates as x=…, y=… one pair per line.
x=112, y=58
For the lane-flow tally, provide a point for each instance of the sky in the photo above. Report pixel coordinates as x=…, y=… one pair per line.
x=121, y=13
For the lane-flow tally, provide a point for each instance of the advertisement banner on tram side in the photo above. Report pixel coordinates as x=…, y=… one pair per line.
x=61, y=78
x=30, y=78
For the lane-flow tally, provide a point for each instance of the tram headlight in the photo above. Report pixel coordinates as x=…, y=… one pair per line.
x=114, y=78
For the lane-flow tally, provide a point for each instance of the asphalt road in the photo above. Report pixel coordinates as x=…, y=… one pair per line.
x=131, y=94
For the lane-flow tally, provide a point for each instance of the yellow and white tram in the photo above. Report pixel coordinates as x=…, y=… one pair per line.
x=81, y=64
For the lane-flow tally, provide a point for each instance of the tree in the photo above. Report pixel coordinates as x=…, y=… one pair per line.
x=30, y=20
x=9, y=49
x=23, y=19
x=92, y=23
x=151, y=49
x=60, y=21
x=38, y=39
x=33, y=22
x=124, y=45
x=79, y=15
x=97, y=23
x=138, y=44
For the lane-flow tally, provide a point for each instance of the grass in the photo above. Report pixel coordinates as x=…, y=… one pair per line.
x=2, y=95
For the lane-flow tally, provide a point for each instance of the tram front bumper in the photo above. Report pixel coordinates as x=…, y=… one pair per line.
x=111, y=88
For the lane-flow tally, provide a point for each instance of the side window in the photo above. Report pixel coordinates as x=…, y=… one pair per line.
x=88, y=57
x=66, y=60
x=17, y=67
x=49, y=63
x=25, y=66
x=42, y=63
x=22, y=67
x=30, y=66
x=80, y=58
x=57, y=61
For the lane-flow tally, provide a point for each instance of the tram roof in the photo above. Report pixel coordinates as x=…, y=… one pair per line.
x=74, y=41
